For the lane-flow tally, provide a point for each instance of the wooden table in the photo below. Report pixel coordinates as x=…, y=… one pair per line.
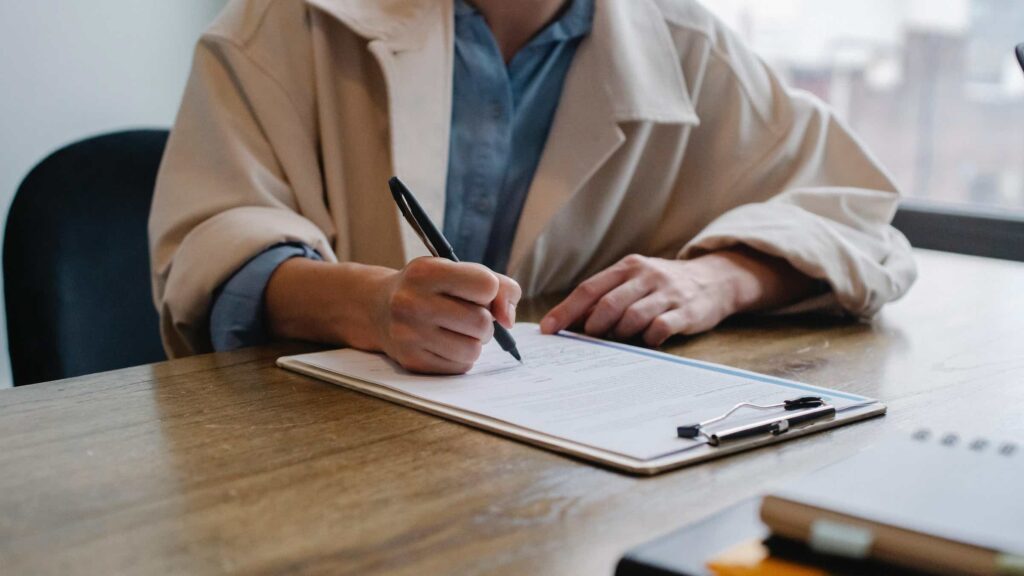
x=224, y=463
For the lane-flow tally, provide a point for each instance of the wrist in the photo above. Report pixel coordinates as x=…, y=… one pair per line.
x=734, y=286
x=755, y=281
x=327, y=302
x=745, y=289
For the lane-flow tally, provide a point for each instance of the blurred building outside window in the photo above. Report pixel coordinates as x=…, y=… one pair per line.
x=931, y=86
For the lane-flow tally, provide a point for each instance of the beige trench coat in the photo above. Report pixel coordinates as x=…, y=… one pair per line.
x=671, y=139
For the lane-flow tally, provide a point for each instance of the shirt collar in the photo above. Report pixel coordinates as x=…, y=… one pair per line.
x=463, y=8
x=575, y=22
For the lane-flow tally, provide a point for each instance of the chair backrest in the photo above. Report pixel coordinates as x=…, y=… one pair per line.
x=76, y=262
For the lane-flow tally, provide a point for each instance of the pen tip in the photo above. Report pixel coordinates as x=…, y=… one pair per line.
x=515, y=354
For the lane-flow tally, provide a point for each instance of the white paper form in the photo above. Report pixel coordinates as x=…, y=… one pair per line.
x=609, y=396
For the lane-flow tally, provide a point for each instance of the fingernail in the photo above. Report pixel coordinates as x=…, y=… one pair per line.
x=548, y=325
x=511, y=313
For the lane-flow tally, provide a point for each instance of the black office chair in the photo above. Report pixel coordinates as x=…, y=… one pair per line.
x=76, y=263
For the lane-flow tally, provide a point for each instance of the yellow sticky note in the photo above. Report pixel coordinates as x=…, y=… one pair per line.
x=752, y=559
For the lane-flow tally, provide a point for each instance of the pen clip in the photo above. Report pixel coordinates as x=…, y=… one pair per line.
x=403, y=206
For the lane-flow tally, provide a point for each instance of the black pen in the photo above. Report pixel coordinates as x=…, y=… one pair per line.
x=439, y=247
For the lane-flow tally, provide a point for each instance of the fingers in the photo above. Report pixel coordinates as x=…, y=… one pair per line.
x=453, y=347
x=639, y=316
x=433, y=350
x=687, y=320
x=460, y=317
x=504, y=305
x=426, y=362
x=471, y=282
x=665, y=326
x=582, y=299
x=613, y=305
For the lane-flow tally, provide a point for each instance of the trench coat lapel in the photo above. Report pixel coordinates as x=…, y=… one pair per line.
x=413, y=42
x=627, y=70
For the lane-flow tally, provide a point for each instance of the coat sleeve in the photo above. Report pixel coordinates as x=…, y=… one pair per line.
x=225, y=190
x=791, y=181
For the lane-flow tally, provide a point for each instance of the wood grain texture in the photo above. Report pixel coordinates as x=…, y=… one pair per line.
x=225, y=464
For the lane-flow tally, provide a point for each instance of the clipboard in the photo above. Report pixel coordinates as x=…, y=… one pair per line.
x=607, y=458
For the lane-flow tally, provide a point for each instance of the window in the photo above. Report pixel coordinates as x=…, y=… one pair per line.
x=931, y=86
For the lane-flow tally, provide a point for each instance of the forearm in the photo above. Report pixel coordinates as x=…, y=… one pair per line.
x=760, y=282
x=328, y=303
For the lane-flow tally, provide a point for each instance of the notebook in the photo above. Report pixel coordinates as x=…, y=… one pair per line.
x=606, y=402
x=935, y=503
x=734, y=542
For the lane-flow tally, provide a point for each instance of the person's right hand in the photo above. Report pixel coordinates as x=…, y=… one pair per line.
x=435, y=315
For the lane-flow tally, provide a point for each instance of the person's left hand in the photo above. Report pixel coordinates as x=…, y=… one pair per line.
x=659, y=298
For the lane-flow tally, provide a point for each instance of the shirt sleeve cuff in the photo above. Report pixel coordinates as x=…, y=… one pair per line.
x=237, y=317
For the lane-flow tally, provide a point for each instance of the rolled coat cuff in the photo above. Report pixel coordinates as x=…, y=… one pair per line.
x=237, y=315
x=865, y=261
x=210, y=254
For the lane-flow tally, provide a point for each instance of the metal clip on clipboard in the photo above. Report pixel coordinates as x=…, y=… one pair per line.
x=816, y=408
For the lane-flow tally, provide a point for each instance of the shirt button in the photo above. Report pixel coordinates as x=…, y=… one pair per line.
x=497, y=111
x=483, y=205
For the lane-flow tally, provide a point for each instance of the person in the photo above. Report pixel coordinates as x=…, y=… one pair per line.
x=632, y=153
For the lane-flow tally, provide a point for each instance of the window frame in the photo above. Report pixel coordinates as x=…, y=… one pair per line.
x=972, y=230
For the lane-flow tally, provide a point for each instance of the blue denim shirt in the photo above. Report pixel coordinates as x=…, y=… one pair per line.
x=501, y=116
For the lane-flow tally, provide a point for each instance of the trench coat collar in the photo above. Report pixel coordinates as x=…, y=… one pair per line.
x=403, y=24
x=627, y=70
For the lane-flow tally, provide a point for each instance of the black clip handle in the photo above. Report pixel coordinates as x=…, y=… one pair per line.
x=688, y=431
x=805, y=402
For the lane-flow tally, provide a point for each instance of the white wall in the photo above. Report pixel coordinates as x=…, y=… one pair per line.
x=75, y=68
